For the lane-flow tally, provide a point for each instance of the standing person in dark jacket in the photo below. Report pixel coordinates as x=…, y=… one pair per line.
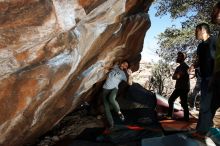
x=205, y=61
x=215, y=104
x=182, y=86
x=214, y=88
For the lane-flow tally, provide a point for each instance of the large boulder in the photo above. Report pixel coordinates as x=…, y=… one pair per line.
x=53, y=51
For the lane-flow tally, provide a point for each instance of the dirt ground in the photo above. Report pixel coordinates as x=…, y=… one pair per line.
x=216, y=119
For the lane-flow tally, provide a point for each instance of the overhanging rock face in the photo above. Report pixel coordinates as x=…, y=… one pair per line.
x=53, y=51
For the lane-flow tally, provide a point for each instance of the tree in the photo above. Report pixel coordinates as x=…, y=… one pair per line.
x=160, y=78
x=175, y=39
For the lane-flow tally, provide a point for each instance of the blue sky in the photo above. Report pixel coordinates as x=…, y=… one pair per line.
x=158, y=25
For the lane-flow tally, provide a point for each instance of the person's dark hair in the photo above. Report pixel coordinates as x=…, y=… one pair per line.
x=182, y=54
x=123, y=61
x=204, y=26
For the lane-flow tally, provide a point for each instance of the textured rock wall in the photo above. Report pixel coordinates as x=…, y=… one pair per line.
x=53, y=51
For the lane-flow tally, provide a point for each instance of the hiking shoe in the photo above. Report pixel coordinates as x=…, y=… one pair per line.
x=198, y=136
x=168, y=118
x=192, y=109
x=121, y=116
x=214, y=134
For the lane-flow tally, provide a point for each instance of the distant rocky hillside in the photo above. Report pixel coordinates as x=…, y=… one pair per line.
x=143, y=74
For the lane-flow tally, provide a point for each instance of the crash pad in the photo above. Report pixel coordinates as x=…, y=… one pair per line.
x=174, y=140
x=128, y=133
x=137, y=116
x=178, y=125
